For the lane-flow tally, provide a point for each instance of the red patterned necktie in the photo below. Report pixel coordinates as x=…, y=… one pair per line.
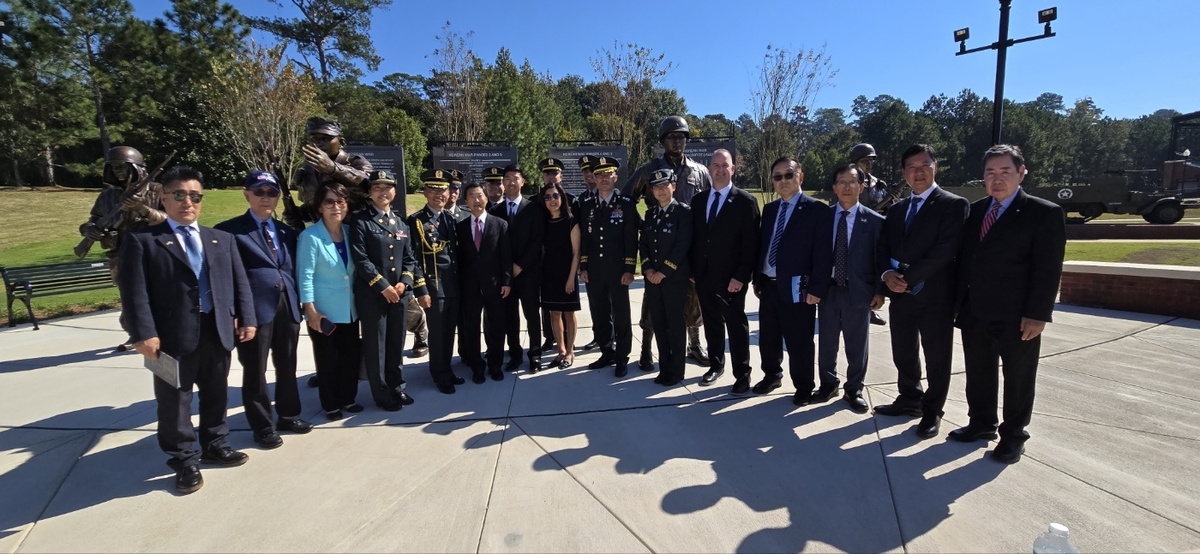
x=989, y=219
x=478, y=234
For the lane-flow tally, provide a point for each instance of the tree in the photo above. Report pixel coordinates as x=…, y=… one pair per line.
x=459, y=87
x=331, y=35
x=632, y=74
x=787, y=86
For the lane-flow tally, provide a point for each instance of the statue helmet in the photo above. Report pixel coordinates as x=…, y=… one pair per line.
x=860, y=151
x=672, y=124
x=124, y=154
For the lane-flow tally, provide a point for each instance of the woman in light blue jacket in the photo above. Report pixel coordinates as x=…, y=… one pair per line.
x=325, y=276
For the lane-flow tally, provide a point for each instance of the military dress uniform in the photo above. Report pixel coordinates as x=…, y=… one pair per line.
x=382, y=251
x=434, y=245
x=666, y=236
x=608, y=249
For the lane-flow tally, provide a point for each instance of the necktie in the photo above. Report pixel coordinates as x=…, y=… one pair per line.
x=478, y=234
x=712, y=210
x=841, y=251
x=512, y=209
x=773, y=252
x=914, y=204
x=196, y=260
x=270, y=243
x=989, y=219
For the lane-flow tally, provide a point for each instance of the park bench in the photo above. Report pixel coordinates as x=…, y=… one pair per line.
x=31, y=281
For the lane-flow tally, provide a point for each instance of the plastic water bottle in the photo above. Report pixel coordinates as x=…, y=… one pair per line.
x=1057, y=540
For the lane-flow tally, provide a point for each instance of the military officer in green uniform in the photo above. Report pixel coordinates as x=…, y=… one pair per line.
x=434, y=242
x=386, y=278
x=608, y=257
x=666, y=237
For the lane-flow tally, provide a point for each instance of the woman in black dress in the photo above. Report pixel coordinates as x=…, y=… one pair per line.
x=560, y=264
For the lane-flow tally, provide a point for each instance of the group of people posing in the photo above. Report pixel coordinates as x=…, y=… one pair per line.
x=363, y=268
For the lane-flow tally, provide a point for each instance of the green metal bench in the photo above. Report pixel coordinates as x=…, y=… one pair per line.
x=33, y=281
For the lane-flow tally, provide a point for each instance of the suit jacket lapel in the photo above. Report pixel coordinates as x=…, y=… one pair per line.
x=166, y=237
x=256, y=234
x=1006, y=217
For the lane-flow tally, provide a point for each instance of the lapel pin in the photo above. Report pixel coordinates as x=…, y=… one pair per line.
x=169, y=243
x=214, y=241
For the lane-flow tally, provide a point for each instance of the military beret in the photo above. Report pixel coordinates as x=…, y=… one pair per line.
x=662, y=177
x=324, y=126
x=436, y=178
x=551, y=164
x=493, y=174
x=605, y=164
x=585, y=163
x=381, y=177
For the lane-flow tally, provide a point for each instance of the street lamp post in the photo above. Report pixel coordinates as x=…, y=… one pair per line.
x=1001, y=47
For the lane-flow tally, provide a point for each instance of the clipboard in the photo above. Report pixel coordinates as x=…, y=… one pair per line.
x=165, y=368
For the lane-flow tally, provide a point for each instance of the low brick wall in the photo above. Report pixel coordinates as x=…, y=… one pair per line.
x=1127, y=231
x=1152, y=289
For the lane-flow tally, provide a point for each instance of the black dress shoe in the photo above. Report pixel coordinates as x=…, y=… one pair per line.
x=590, y=346
x=391, y=406
x=549, y=345
x=740, y=387
x=825, y=394
x=604, y=361
x=696, y=353
x=972, y=434
x=446, y=388
x=420, y=350
x=622, y=369
x=496, y=374
x=403, y=398
x=224, y=456
x=535, y=366
x=876, y=320
x=671, y=381
x=711, y=376
x=513, y=365
x=857, y=403
x=456, y=380
x=567, y=362
x=353, y=408
x=929, y=426
x=334, y=415
x=268, y=439
x=297, y=426
x=478, y=378
x=801, y=398
x=646, y=363
x=313, y=382
x=658, y=379
x=188, y=479
x=768, y=384
x=1008, y=452
x=897, y=409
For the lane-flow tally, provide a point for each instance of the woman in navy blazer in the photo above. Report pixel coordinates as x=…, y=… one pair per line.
x=324, y=276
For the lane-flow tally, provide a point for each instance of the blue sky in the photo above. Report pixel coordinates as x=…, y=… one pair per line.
x=1130, y=57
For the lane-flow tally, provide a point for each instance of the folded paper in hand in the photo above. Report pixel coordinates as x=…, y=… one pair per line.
x=165, y=368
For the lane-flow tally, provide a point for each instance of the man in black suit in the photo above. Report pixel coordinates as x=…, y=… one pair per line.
x=268, y=251
x=184, y=293
x=916, y=251
x=1008, y=275
x=790, y=280
x=386, y=278
x=725, y=236
x=526, y=225
x=845, y=311
x=485, y=266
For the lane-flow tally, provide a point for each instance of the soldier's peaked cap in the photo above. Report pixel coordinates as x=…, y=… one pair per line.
x=662, y=177
x=493, y=174
x=551, y=164
x=585, y=162
x=436, y=178
x=381, y=177
x=605, y=164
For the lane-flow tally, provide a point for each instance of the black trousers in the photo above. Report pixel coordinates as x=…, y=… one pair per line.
x=526, y=291
x=383, y=332
x=337, y=357
x=442, y=317
x=842, y=319
x=930, y=328
x=723, y=310
x=276, y=340
x=666, y=301
x=985, y=343
x=609, y=302
x=783, y=323
x=206, y=369
x=474, y=303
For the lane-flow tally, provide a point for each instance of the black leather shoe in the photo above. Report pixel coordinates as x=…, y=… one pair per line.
x=622, y=369
x=353, y=408
x=876, y=320
x=658, y=379
x=895, y=409
x=446, y=388
x=403, y=398
x=549, y=345
x=711, y=376
x=671, y=381
x=297, y=426
x=391, y=406
x=1007, y=452
x=801, y=398
x=768, y=384
x=972, y=434
x=334, y=415
x=696, y=353
x=857, y=403
x=646, y=362
x=420, y=350
x=590, y=346
x=268, y=439
x=496, y=374
x=604, y=361
x=188, y=479
x=929, y=426
x=513, y=365
x=825, y=394
x=456, y=380
x=477, y=377
x=535, y=366
x=224, y=456
x=313, y=382
x=740, y=387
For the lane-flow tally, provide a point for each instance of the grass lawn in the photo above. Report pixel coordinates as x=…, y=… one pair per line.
x=1138, y=252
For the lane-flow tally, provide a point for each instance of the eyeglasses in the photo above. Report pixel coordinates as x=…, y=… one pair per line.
x=846, y=183
x=330, y=202
x=552, y=196
x=180, y=195
x=266, y=191
x=789, y=176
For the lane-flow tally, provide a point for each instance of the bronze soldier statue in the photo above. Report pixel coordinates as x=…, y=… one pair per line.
x=691, y=178
x=326, y=160
x=124, y=167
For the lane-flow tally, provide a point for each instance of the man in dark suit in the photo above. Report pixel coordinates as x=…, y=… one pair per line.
x=485, y=266
x=790, y=280
x=184, y=293
x=526, y=225
x=916, y=251
x=725, y=227
x=845, y=311
x=1008, y=275
x=268, y=251
x=386, y=278
x=436, y=250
